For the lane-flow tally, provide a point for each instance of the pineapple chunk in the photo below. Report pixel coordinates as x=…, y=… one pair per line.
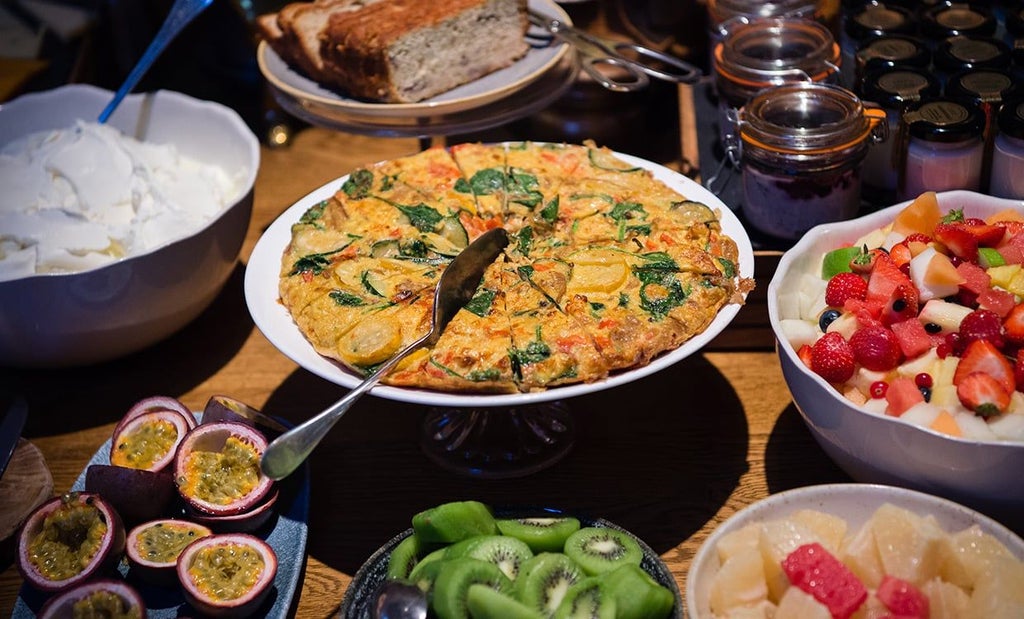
x=972, y=554
x=999, y=594
x=829, y=528
x=739, y=582
x=1004, y=275
x=945, y=600
x=909, y=546
x=872, y=608
x=860, y=554
x=738, y=541
x=777, y=540
x=796, y=604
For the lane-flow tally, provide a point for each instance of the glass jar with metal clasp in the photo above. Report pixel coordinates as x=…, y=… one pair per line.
x=800, y=148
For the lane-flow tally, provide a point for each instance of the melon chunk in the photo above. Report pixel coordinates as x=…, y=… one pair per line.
x=946, y=600
x=1000, y=593
x=934, y=275
x=910, y=547
x=739, y=582
x=921, y=215
x=796, y=604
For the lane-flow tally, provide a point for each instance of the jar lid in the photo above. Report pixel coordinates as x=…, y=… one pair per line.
x=1015, y=22
x=1010, y=119
x=768, y=51
x=983, y=85
x=804, y=117
x=971, y=52
x=944, y=120
x=874, y=20
x=950, y=19
x=891, y=50
x=898, y=87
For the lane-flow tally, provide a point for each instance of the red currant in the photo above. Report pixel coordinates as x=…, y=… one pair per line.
x=878, y=389
x=924, y=380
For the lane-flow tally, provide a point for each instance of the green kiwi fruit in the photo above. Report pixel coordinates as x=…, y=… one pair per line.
x=636, y=594
x=587, y=599
x=544, y=580
x=508, y=553
x=600, y=549
x=540, y=534
x=486, y=603
x=424, y=575
x=403, y=558
x=452, y=585
x=453, y=522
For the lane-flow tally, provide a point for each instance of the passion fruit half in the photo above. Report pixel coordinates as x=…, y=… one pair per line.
x=153, y=548
x=217, y=468
x=148, y=441
x=68, y=540
x=227, y=574
x=103, y=597
x=157, y=403
x=243, y=522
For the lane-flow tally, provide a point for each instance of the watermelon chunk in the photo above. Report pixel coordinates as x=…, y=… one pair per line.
x=818, y=573
x=912, y=337
x=976, y=280
x=998, y=301
x=901, y=395
x=902, y=598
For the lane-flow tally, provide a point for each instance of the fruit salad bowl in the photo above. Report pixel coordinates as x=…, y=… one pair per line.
x=881, y=547
x=880, y=437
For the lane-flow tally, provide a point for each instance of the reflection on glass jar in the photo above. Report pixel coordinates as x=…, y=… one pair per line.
x=944, y=147
x=801, y=147
x=1007, y=178
x=767, y=52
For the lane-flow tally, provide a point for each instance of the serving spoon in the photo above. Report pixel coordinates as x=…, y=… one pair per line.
x=182, y=12
x=456, y=287
x=396, y=599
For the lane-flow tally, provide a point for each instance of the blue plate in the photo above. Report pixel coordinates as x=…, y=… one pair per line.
x=286, y=533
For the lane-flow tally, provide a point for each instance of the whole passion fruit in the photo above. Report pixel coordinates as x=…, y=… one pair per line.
x=103, y=597
x=149, y=440
x=227, y=574
x=157, y=403
x=68, y=540
x=123, y=487
x=217, y=468
x=153, y=547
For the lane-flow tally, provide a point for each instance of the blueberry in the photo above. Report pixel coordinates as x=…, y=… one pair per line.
x=926, y=392
x=828, y=317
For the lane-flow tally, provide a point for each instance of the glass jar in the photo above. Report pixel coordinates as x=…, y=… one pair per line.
x=723, y=13
x=876, y=20
x=950, y=19
x=944, y=147
x=894, y=90
x=987, y=89
x=961, y=53
x=1007, y=177
x=800, y=148
x=887, y=52
x=767, y=52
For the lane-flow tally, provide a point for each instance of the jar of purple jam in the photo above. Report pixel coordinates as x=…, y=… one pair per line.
x=944, y=147
x=801, y=147
x=1007, y=177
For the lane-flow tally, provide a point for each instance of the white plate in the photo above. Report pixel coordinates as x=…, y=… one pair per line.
x=261, y=295
x=541, y=57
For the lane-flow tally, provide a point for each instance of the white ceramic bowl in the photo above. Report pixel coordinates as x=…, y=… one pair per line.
x=60, y=320
x=882, y=449
x=855, y=503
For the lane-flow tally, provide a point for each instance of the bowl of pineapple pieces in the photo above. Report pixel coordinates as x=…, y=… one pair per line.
x=857, y=551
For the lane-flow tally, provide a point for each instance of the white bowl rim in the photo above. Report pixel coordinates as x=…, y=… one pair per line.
x=869, y=222
x=885, y=494
x=246, y=185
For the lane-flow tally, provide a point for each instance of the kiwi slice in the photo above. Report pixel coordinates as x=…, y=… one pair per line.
x=424, y=575
x=544, y=580
x=486, y=603
x=403, y=558
x=453, y=522
x=636, y=594
x=451, y=586
x=508, y=553
x=587, y=599
x=540, y=534
x=601, y=549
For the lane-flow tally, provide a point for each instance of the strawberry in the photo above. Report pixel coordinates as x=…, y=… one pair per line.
x=832, y=358
x=982, y=324
x=876, y=348
x=987, y=235
x=983, y=394
x=804, y=353
x=1018, y=370
x=900, y=254
x=1013, y=326
x=957, y=240
x=845, y=286
x=902, y=305
x=865, y=261
x=980, y=356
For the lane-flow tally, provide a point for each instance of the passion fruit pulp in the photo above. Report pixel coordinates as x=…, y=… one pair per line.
x=217, y=468
x=157, y=403
x=153, y=547
x=227, y=574
x=103, y=597
x=68, y=540
x=148, y=441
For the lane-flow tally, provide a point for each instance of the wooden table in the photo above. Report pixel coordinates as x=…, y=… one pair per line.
x=667, y=457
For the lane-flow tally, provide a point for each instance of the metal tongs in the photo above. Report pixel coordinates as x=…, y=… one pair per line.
x=639, y=62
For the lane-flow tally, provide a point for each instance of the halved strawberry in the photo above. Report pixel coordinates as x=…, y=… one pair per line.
x=1013, y=326
x=983, y=394
x=957, y=240
x=865, y=261
x=1018, y=370
x=980, y=356
x=987, y=235
x=804, y=353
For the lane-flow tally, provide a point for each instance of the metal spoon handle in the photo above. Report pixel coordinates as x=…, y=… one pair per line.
x=182, y=12
x=285, y=453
